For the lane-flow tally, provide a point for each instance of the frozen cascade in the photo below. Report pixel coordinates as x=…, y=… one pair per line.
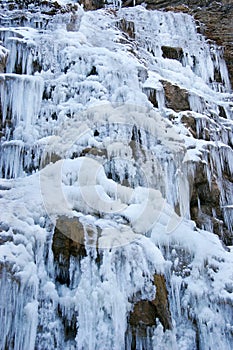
x=19, y=116
x=116, y=181
x=17, y=92
x=21, y=58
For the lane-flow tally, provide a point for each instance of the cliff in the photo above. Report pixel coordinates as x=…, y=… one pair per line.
x=116, y=167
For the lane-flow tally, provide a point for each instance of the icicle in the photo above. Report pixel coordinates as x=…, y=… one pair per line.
x=196, y=103
x=22, y=298
x=20, y=98
x=176, y=283
x=11, y=165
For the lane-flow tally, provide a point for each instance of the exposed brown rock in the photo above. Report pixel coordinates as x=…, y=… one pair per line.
x=146, y=312
x=68, y=240
x=161, y=302
x=175, y=53
x=209, y=198
x=143, y=315
x=176, y=98
x=72, y=229
x=136, y=144
x=178, y=8
x=189, y=121
x=92, y=4
x=94, y=152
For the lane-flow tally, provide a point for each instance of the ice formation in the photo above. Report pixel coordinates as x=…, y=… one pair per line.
x=94, y=150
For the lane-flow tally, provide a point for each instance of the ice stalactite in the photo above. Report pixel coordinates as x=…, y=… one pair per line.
x=20, y=100
x=18, y=299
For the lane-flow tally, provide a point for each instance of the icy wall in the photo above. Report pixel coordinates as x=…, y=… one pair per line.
x=116, y=181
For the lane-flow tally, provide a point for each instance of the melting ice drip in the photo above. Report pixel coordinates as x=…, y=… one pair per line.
x=77, y=89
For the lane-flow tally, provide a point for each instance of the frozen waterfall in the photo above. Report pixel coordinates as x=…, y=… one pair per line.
x=116, y=192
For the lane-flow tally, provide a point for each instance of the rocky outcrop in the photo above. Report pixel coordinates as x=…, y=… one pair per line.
x=68, y=240
x=189, y=121
x=176, y=98
x=205, y=207
x=145, y=312
x=92, y=4
x=175, y=53
x=93, y=151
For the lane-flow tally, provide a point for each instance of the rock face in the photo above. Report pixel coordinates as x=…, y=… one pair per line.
x=175, y=97
x=68, y=240
x=205, y=205
x=175, y=53
x=92, y=4
x=146, y=312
